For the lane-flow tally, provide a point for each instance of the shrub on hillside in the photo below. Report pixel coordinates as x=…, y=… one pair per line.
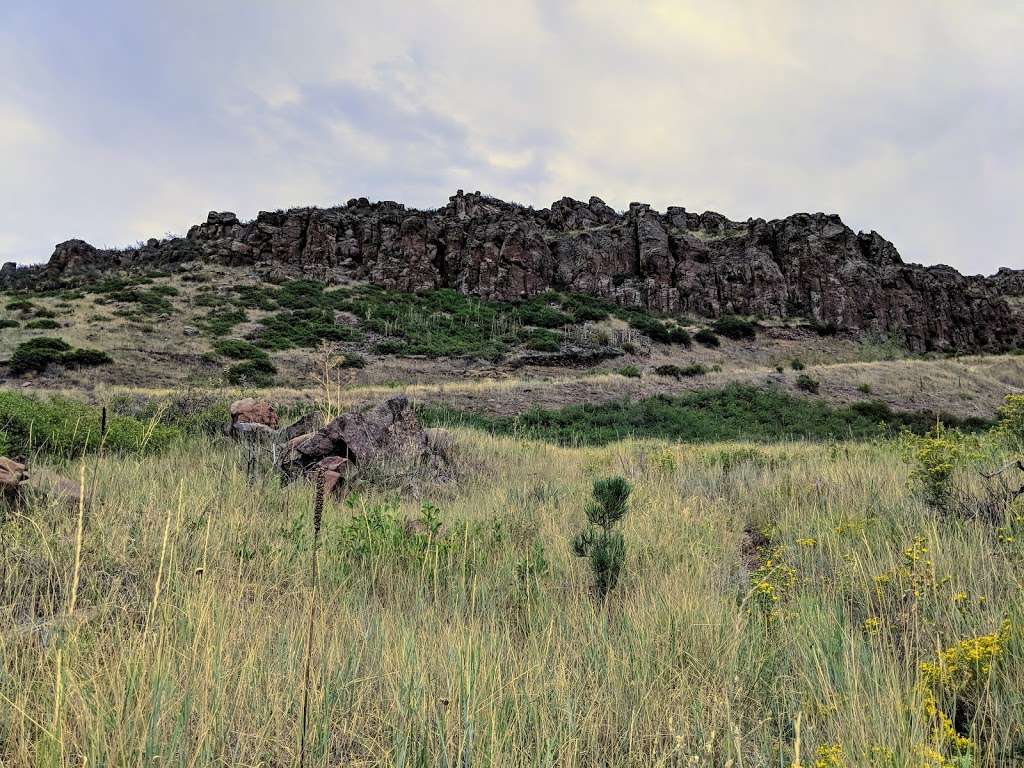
x=252, y=373
x=629, y=371
x=808, y=384
x=36, y=354
x=237, y=349
x=44, y=324
x=797, y=364
x=707, y=337
x=735, y=328
x=85, y=358
x=679, y=372
x=6, y=322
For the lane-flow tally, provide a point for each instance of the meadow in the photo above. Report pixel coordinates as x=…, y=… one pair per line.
x=782, y=603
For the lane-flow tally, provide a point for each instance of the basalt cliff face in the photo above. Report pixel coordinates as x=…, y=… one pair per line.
x=806, y=265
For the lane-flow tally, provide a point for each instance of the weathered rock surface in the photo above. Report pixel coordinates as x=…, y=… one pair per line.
x=249, y=412
x=806, y=265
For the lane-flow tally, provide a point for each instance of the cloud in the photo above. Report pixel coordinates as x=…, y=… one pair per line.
x=121, y=120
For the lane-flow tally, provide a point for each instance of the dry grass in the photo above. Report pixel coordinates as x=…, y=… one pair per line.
x=187, y=646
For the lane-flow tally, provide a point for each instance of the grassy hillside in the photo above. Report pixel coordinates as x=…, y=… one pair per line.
x=776, y=607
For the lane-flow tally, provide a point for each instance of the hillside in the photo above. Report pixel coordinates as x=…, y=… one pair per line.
x=805, y=266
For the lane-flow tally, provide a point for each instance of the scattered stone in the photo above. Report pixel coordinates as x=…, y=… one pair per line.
x=12, y=475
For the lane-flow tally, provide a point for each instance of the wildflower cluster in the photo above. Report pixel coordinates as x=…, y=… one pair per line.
x=959, y=674
x=935, y=456
x=914, y=578
x=771, y=582
x=1011, y=421
x=829, y=756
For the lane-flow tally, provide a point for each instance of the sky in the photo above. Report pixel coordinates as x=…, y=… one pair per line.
x=121, y=121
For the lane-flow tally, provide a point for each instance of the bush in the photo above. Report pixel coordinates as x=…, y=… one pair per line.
x=807, y=384
x=629, y=371
x=865, y=388
x=797, y=364
x=36, y=354
x=543, y=340
x=85, y=358
x=66, y=428
x=659, y=330
x=45, y=324
x=600, y=540
x=1011, y=421
x=21, y=305
x=351, y=360
x=8, y=323
x=707, y=337
x=735, y=328
x=677, y=372
x=237, y=349
x=252, y=373
x=542, y=315
x=825, y=329
x=934, y=457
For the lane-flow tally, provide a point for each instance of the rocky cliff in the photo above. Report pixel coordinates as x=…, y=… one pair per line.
x=806, y=265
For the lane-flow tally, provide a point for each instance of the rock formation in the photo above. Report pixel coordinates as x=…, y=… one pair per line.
x=806, y=265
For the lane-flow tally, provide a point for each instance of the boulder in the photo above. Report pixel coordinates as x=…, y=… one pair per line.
x=252, y=411
x=386, y=435
x=13, y=474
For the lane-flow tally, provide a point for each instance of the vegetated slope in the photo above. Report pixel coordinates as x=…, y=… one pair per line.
x=806, y=265
x=763, y=586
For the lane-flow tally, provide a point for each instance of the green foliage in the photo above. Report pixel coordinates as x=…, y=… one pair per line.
x=600, y=540
x=253, y=373
x=707, y=337
x=659, y=330
x=808, y=384
x=542, y=340
x=238, y=349
x=733, y=412
x=735, y=328
x=220, y=321
x=351, y=360
x=6, y=322
x=1011, y=421
x=629, y=371
x=934, y=457
x=65, y=428
x=21, y=305
x=824, y=329
x=85, y=358
x=681, y=372
x=36, y=354
x=301, y=328
x=44, y=324
x=146, y=301
x=541, y=314
x=797, y=364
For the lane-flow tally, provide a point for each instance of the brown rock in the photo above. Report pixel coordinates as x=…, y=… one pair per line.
x=12, y=475
x=252, y=411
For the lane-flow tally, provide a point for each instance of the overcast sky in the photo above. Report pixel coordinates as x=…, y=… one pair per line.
x=125, y=120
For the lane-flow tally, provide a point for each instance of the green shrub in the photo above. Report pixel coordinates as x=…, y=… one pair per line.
x=934, y=457
x=237, y=349
x=865, y=388
x=734, y=412
x=36, y=354
x=21, y=305
x=797, y=364
x=8, y=323
x=45, y=324
x=585, y=308
x=542, y=340
x=679, y=372
x=301, y=328
x=707, y=337
x=351, y=360
x=600, y=540
x=659, y=330
x=44, y=313
x=66, y=428
x=252, y=373
x=735, y=328
x=629, y=371
x=85, y=358
x=219, y=322
x=807, y=384
x=825, y=329
x=541, y=315
x=1011, y=421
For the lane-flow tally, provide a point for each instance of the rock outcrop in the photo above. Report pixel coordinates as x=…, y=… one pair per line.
x=806, y=265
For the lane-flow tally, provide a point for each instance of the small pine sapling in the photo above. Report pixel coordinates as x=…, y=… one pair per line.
x=600, y=540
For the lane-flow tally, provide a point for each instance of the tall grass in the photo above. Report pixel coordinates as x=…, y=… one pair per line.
x=481, y=646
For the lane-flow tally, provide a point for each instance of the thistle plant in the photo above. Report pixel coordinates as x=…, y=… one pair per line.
x=600, y=540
